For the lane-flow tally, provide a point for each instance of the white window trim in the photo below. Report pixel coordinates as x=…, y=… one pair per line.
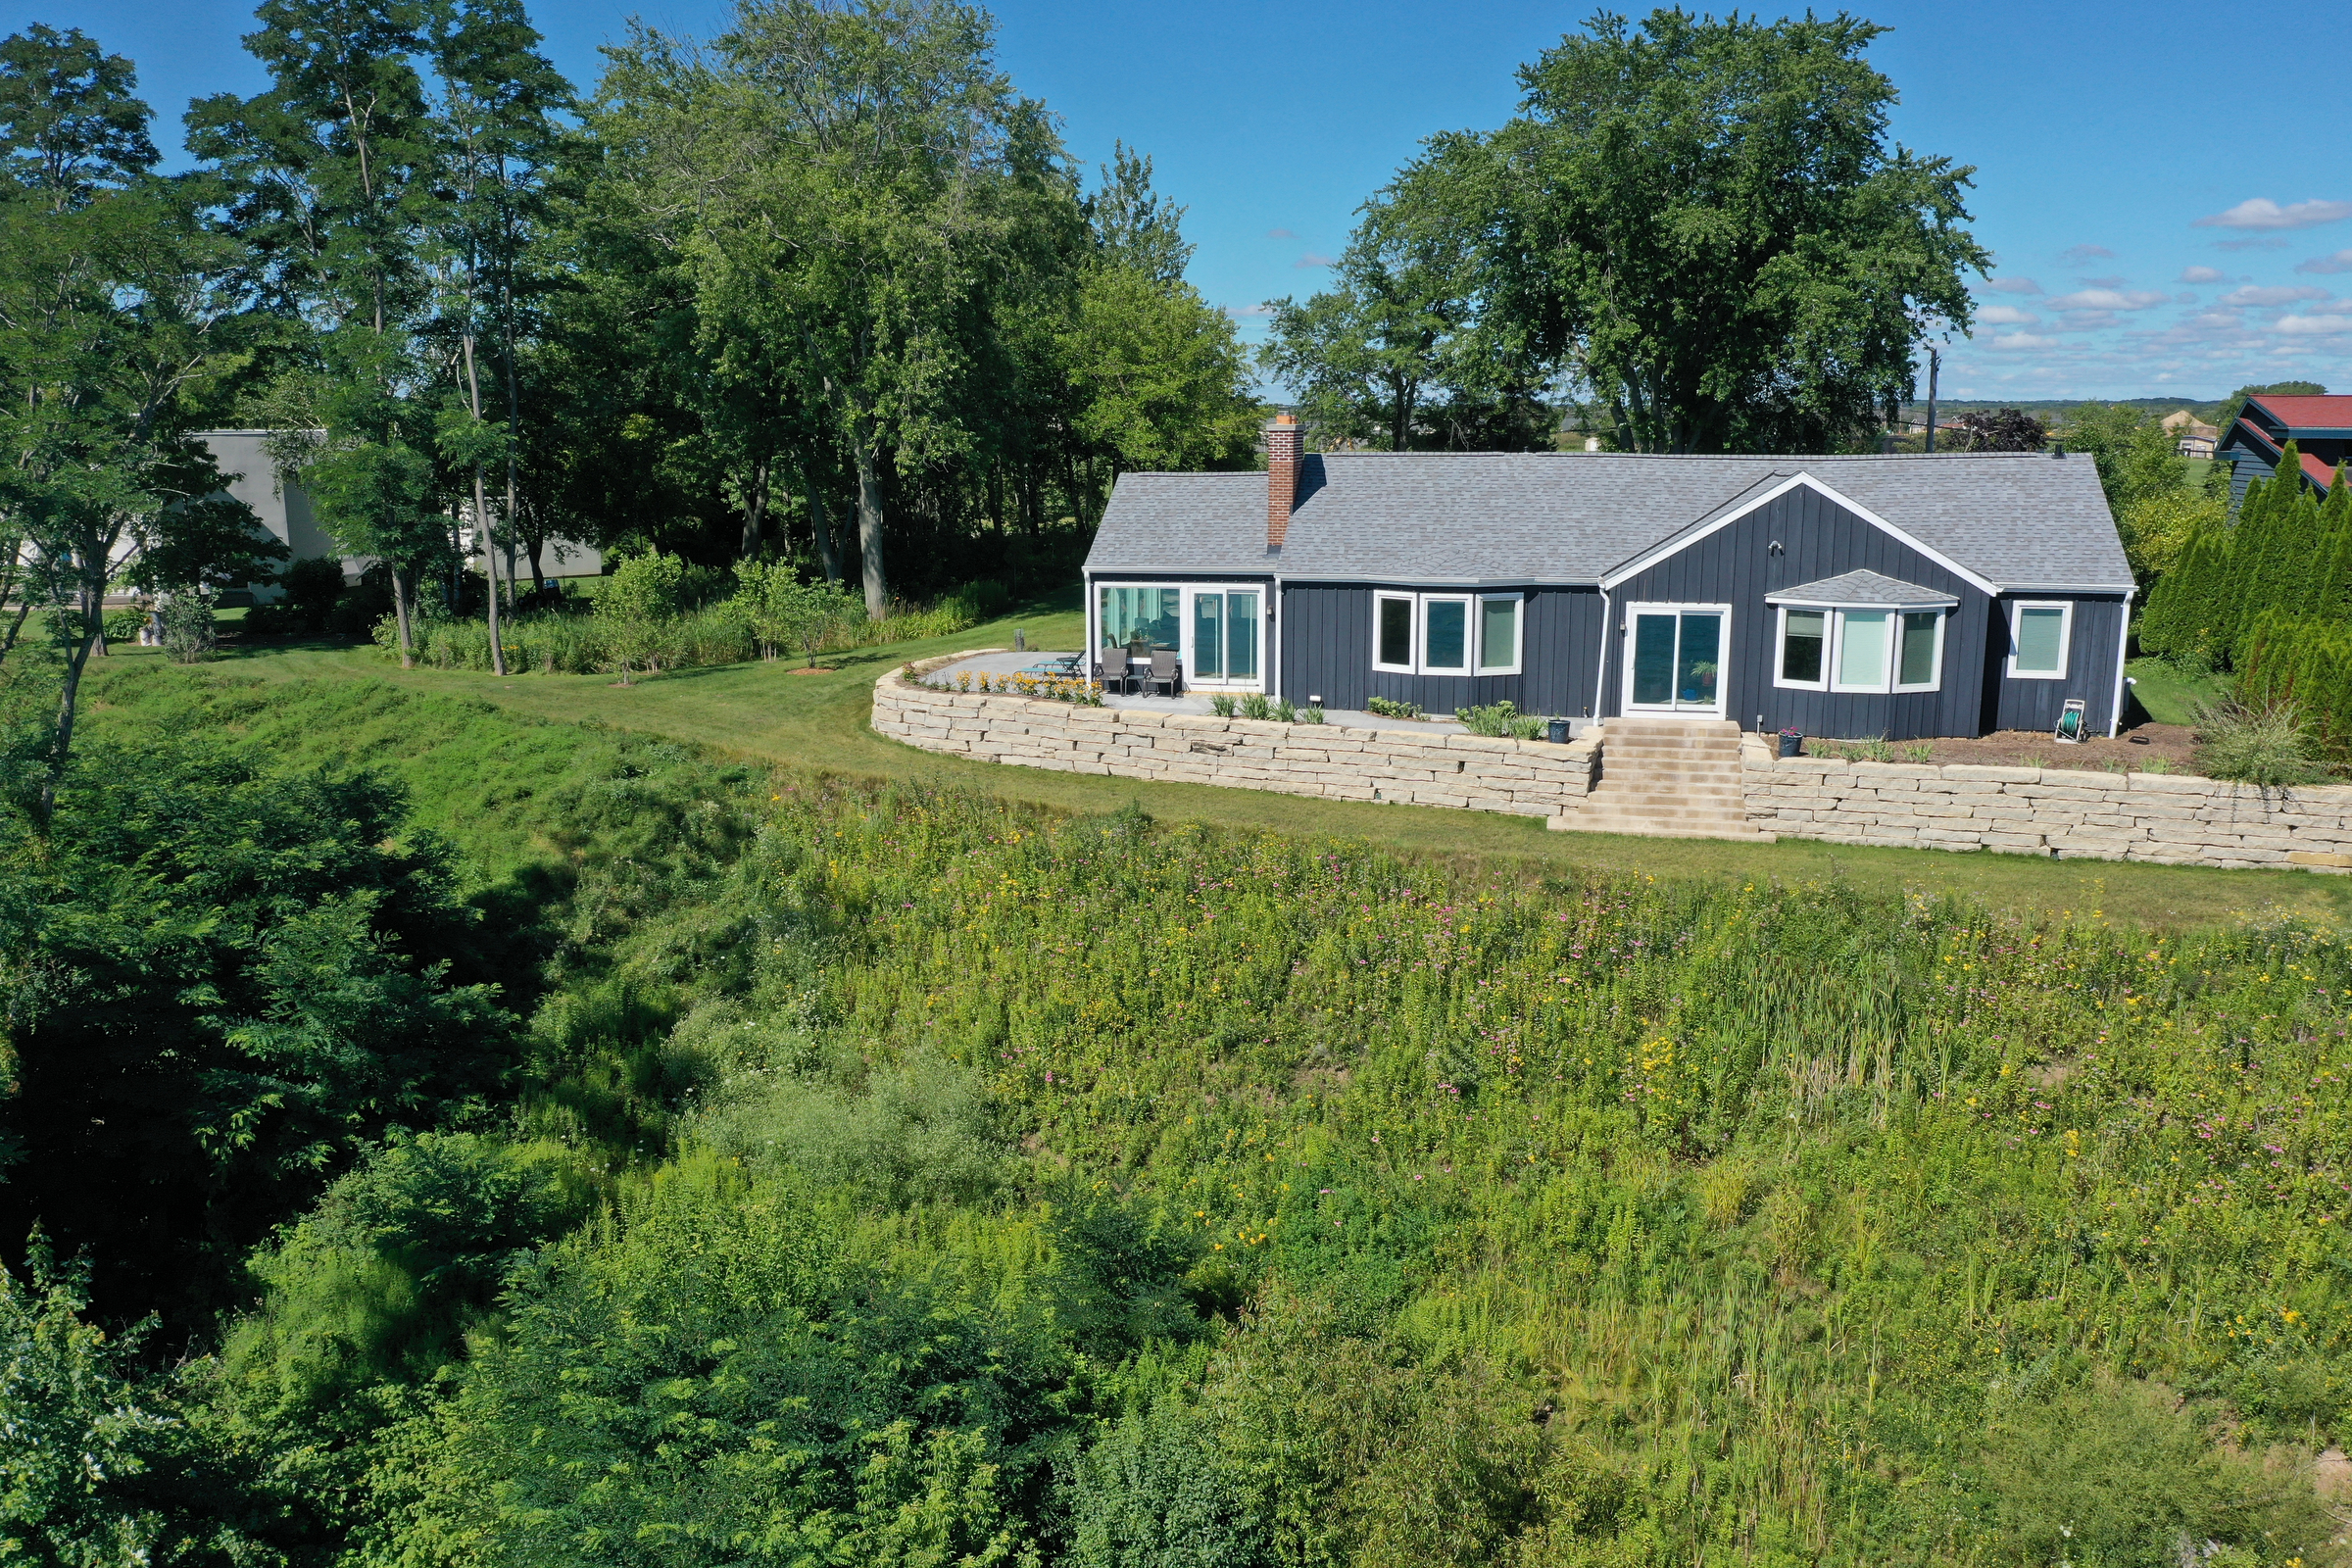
x=2066, y=637
x=1780, y=648
x=1624, y=656
x=1470, y=601
x=1477, y=631
x=1886, y=653
x=1185, y=655
x=1833, y=642
x=1894, y=668
x=1469, y=604
x=1413, y=601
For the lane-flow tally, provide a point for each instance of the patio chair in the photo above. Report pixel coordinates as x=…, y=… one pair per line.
x=1111, y=665
x=1165, y=672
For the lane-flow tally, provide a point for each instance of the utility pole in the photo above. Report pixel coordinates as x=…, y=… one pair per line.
x=1934, y=363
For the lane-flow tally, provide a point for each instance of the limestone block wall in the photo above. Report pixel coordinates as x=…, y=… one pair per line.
x=2162, y=818
x=1528, y=779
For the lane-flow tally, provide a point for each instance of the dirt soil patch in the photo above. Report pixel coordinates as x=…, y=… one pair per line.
x=2129, y=751
x=2170, y=747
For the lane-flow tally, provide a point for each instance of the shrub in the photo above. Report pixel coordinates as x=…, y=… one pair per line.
x=188, y=634
x=2267, y=745
x=122, y=625
x=638, y=606
x=1501, y=721
x=1390, y=707
x=1312, y=714
x=1222, y=705
x=1285, y=711
x=1254, y=705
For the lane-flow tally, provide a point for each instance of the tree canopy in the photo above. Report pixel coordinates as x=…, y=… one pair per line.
x=1696, y=226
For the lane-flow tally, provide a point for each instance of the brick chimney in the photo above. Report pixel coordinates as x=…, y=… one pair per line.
x=1282, y=476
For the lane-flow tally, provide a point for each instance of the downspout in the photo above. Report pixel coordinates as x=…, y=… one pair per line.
x=1600, y=668
x=2122, y=644
x=1274, y=640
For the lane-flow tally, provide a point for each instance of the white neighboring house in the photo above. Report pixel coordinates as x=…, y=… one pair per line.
x=281, y=504
x=284, y=510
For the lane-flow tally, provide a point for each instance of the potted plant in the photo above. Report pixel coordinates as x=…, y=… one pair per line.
x=1792, y=743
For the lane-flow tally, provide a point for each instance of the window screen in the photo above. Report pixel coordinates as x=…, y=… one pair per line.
x=1803, y=645
x=1862, y=649
x=1396, y=631
x=2041, y=640
x=1444, y=644
x=1916, y=661
x=1497, y=633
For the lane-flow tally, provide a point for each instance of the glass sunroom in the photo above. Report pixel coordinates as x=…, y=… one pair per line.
x=1216, y=630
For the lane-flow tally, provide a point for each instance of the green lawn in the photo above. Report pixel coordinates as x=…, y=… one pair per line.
x=2169, y=697
x=772, y=714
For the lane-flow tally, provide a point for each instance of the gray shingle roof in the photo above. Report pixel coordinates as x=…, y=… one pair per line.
x=2020, y=519
x=1858, y=588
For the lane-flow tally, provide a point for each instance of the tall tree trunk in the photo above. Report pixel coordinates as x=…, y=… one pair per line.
x=400, y=610
x=481, y=507
x=538, y=544
x=754, y=514
x=869, y=523
x=821, y=528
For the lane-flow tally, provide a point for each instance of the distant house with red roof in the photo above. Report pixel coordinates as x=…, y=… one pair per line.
x=2320, y=427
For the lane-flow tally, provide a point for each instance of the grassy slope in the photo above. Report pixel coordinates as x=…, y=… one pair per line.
x=2169, y=697
x=771, y=713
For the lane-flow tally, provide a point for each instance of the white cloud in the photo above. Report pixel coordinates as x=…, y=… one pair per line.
x=2275, y=295
x=1242, y=312
x=2340, y=261
x=2076, y=256
x=2261, y=212
x=1310, y=259
x=2313, y=326
x=2007, y=316
x=2024, y=342
x=2209, y=274
x=2107, y=299
x=1280, y=233
x=2013, y=285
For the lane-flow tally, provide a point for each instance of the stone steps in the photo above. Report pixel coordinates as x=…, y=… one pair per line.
x=1668, y=778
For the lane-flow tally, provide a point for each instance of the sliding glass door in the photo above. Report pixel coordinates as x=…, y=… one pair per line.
x=1223, y=648
x=1674, y=658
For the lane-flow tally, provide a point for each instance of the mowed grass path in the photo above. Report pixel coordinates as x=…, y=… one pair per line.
x=770, y=712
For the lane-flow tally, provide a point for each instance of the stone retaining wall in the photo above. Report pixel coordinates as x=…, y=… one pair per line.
x=1528, y=779
x=2167, y=818
x=2164, y=817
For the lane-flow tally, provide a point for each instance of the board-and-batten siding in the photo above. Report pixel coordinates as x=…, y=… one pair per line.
x=1326, y=631
x=1738, y=566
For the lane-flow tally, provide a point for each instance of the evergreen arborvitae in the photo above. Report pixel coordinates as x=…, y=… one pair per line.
x=2272, y=533
x=2330, y=595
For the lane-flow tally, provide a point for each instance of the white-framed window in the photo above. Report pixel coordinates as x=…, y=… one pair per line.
x=1394, y=645
x=1502, y=633
x=1805, y=658
x=1860, y=650
x=2041, y=636
x=1919, y=650
x=1449, y=634
x=1446, y=635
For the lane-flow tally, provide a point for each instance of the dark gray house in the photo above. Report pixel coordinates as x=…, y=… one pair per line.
x=1839, y=595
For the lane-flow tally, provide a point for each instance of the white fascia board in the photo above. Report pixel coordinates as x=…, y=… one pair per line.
x=1440, y=584
x=1801, y=602
x=2011, y=590
x=1644, y=563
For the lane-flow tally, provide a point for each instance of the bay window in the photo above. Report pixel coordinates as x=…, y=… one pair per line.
x=1860, y=650
x=1447, y=634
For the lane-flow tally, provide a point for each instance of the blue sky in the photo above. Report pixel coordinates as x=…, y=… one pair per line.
x=2168, y=194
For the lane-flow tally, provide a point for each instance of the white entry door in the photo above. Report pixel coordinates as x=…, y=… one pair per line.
x=1674, y=658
